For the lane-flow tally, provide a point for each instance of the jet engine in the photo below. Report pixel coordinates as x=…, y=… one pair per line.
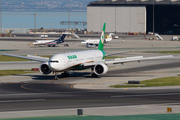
x=44, y=68
x=100, y=69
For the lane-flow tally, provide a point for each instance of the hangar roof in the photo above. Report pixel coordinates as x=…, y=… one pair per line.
x=135, y=2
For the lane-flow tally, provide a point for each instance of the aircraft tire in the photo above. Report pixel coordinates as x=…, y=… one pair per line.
x=94, y=75
x=56, y=78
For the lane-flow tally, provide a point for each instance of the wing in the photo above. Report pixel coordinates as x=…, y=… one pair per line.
x=89, y=64
x=124, y=60
x=138, y=58
x=29, y=57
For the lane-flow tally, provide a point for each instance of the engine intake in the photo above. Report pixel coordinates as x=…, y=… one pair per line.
x=44, y=68
x=100, y=69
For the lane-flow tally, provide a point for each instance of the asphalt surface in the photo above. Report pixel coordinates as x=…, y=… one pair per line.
x=32, y=39
x=39, y=92
x=42, y=92
x=37, y=96
x=57, y=35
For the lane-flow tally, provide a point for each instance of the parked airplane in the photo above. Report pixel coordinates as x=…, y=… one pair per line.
x=94, y=59
x=50, y=43
x=96, y=41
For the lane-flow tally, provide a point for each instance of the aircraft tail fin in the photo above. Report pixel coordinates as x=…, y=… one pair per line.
x=61, y=39
x=101, y=42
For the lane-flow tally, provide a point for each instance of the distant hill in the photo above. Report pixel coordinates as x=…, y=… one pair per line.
x=44, y=5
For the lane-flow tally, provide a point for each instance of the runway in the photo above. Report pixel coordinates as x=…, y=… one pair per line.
x=36, y=96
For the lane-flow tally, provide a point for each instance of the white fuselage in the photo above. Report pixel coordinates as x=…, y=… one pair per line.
x=44, y=42
x=96, y=41
x=69, y=61
x=90, y=41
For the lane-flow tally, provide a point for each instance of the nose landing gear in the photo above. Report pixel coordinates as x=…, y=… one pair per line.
x=56, y=78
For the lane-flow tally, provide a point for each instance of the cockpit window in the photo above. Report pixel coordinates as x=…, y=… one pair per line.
x=54, y=61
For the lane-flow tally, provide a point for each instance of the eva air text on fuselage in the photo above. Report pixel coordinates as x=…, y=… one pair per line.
x=72, y=57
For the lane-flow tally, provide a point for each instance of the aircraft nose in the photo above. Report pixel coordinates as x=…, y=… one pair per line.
x=53, y=65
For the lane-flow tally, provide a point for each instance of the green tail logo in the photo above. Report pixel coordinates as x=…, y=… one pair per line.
x=101, y=42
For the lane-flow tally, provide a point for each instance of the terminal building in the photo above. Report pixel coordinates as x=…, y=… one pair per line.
x=123, y=16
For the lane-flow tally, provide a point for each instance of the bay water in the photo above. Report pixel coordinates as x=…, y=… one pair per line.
x=47, y=20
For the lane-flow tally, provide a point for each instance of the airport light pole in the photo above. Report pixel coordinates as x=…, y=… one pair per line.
x=51, y=25
x=115, y=20
x=153, y=19
x=47, y=24
x=69, y=18
x=25, y=24
x=1, y=17
x=34, y=27
x=21, y=24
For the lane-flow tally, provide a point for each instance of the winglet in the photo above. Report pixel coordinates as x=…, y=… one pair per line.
x=101, y=42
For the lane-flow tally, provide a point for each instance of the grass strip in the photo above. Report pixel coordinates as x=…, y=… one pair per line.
x=112, y=57
x=2, y=50
x=173, y=52
x=166, y=81
x=14, y=72
x=8, y=58
x=174, y=116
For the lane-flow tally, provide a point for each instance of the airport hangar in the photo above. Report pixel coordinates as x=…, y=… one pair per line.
x=123, y=16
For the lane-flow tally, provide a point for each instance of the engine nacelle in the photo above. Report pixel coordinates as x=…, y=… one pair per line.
x=100, y=69
x=44, y=68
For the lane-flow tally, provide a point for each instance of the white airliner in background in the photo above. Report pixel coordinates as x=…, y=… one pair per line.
x=96, y=41
x=50, y=43
x=94, y=59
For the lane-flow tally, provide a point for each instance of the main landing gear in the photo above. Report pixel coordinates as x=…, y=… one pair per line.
x=65, y=74
x=93, y=74
x=51, y=46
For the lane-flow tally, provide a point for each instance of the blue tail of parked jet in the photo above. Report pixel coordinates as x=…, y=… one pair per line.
x=61, y=39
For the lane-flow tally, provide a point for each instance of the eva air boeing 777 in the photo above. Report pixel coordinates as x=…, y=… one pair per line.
x=94, y=59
